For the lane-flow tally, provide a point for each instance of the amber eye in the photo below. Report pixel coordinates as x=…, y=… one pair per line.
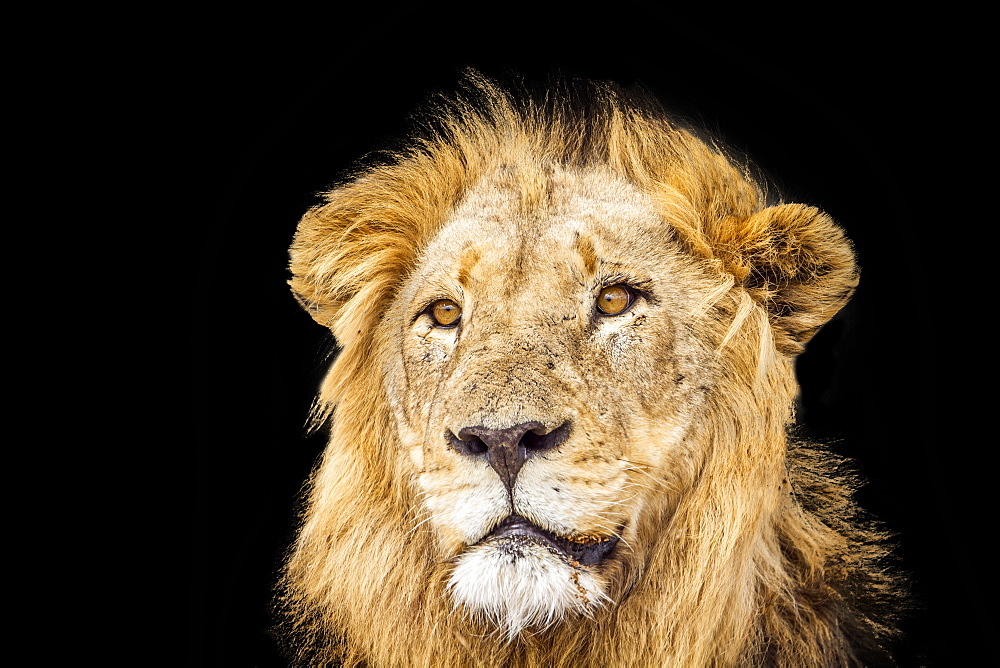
x=445, y=313
x=614, y=299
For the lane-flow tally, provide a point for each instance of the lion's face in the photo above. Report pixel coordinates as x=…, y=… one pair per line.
x=567, y=340
x=545, y=373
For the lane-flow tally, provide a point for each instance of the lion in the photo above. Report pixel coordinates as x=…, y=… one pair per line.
x=561, y=419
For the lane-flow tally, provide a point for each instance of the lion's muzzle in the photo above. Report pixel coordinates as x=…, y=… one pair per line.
x=506, y=450
x=584, y=550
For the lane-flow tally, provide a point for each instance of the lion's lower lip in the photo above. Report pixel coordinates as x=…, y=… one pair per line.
x=586, y=554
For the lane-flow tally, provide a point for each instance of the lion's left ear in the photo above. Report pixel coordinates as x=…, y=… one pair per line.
x=796, y=262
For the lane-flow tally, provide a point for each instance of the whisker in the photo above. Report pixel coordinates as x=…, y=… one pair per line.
x=417, y=525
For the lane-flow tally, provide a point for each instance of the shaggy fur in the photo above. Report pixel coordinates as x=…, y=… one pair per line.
x=739, y=545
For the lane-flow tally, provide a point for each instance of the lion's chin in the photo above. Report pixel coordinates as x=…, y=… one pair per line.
x=517, y=581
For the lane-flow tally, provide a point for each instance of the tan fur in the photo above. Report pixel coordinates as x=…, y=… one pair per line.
x=739, y=546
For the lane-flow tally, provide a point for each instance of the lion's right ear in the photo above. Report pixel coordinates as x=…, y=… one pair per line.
x=314, y=276
x=351, y=254
x=308, y=289
x=322, y=311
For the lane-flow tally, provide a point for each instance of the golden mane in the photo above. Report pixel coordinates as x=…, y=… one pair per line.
x=763, y=562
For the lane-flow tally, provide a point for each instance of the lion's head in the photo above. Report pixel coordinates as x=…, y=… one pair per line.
x=558, y=418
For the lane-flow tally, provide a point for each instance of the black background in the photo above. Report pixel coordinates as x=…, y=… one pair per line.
x=869, y=117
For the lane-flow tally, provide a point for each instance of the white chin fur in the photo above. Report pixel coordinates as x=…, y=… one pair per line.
x=520, y=585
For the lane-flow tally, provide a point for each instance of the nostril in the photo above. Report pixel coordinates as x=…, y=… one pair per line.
x=474, y=446
x=466, y=443
x=533, y=441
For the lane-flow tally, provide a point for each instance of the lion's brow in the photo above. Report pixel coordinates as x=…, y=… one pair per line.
x=584, y=246
x=466, y=262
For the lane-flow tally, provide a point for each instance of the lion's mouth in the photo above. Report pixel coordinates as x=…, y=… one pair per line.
x=585, y=551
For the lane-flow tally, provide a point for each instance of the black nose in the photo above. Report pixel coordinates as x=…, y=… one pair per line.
x=506, y=450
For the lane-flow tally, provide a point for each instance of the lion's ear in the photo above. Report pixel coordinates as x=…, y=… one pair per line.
x=351, y=254
x=321, y=311
x=795, y=261
x=312, y=282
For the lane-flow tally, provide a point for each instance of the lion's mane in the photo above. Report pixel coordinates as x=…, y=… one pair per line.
x=764, y=561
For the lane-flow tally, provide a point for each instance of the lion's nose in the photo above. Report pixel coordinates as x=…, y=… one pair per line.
x=506, y=450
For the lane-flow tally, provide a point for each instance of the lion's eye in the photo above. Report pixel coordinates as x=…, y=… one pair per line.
x=614, y=299
x=445, y=313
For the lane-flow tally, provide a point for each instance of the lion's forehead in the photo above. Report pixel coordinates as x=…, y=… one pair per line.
x=507, y=229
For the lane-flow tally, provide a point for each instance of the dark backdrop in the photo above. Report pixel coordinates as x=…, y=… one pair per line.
x=863, y=116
